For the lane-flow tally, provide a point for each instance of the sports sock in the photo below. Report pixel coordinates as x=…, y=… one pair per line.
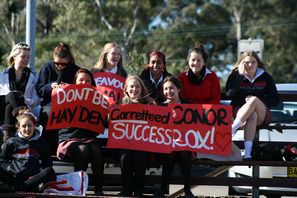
x=236, y=124
x=248, y=148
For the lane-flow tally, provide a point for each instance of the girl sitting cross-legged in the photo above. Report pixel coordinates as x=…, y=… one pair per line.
x=25, y=161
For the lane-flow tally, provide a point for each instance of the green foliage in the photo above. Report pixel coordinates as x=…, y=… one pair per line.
x=136, y=62
x=12, y=20
x=167, y=25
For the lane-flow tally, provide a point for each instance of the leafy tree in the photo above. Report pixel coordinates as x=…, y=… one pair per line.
x=12, y=15
x=168, y=25
x=279, y=31
x=274, y=21
x=184, y=23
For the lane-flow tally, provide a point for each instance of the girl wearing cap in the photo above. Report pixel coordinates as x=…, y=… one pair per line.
x=154, y=74
x=17, y=85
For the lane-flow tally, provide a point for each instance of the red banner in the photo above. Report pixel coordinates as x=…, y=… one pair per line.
x=139, y=127
x=202, y=128
x=111, y=85
x=81, y=106
x=198, y=128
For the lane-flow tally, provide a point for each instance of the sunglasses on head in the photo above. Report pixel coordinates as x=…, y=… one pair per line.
x=61, y=64
x=22, y=45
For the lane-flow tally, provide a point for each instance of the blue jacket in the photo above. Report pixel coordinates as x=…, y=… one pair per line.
x=30, y=95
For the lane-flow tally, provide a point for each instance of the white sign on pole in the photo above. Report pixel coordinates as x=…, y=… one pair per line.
x=256, y=45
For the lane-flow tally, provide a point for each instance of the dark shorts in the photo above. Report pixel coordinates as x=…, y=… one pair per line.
x=268, y=115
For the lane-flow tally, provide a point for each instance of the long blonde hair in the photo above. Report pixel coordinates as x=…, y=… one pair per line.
x=15, y=51
x=144, y=96
x=254, y=54
x=102, y=61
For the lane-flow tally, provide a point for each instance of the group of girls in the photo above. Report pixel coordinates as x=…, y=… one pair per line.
x=249, y=86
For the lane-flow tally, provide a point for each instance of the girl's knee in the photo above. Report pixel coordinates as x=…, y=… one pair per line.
x=83, y=148
x=76, y=150
x=95, y=146
x=253, y=100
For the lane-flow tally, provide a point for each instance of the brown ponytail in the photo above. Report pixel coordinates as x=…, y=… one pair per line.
x=63, y=51
x=199, y=49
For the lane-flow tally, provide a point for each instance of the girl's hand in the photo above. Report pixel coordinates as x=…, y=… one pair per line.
x=54, y=85
x=57, y=85
x=174, y=115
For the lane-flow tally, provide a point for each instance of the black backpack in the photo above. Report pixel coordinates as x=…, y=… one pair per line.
x=266, y=152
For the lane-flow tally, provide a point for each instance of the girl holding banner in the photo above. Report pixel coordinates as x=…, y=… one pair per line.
x=52, y=75
x=154, y=75
x=80, y=145
x=134, y=162
x=110, y=60
x=171, y=89
x=200, y=85
x=109, y=73
x=252, y=92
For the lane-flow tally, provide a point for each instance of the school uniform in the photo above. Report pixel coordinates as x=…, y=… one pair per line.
x=116, y=70
x=26, y=163
x=184, y=158
x=154, y=88
x=238, y=87
x=204, y=89
x=49, y=74
x=18, y=93
x=133, y=165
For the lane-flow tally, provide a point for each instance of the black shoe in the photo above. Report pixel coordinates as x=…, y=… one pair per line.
x=158, y=194
x=2, y=146
x=5, y=188
x=22, y=187
x=99, y=193
x=247, y=159
x=16, y=111
x=138, y=193
x=125, y=193
x=8, y=132
x=189, y=194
